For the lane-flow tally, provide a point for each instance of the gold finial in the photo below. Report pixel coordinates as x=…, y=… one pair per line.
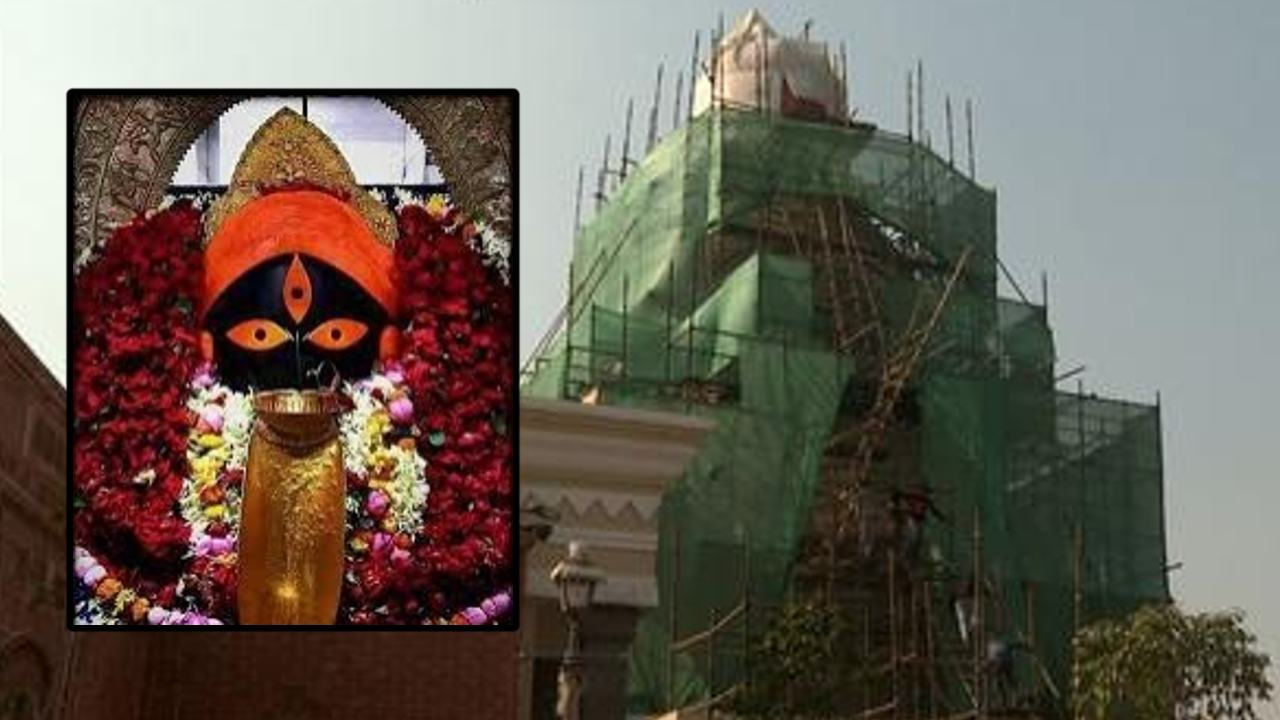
x=287, y=149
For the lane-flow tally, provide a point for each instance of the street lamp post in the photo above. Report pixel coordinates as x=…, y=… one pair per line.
x=576, y=577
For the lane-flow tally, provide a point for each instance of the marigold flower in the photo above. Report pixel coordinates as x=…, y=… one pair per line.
x=108, y=588
x=210, y=441
x=139, y=609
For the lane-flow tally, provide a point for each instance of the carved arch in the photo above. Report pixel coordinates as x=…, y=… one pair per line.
x=128, y=147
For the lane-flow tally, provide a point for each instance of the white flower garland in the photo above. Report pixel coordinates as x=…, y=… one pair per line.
x=408, y=490
x=396, y=471
x=495, y=250
x=220, y=442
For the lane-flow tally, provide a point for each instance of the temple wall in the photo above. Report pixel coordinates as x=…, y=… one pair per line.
x=32, y=533
x=323, y=675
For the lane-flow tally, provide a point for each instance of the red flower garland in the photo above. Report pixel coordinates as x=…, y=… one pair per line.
x=457, y=363
x=135, y=346
x=136, y=350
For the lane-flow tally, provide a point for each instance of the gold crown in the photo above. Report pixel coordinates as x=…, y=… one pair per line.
x=286, y=150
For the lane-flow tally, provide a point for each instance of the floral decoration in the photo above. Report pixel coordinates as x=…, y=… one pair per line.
x=160, y=443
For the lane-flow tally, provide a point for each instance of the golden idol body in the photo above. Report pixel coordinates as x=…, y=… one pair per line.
x=293, y=516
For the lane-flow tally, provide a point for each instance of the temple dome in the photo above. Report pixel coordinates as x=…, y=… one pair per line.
x=758, y=68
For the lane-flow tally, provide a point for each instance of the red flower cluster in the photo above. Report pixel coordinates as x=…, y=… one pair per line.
x=136, y=349
x=458, y=360
x=135, y=345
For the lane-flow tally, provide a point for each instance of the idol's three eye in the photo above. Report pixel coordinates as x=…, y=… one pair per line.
x=297, y=291
x=258, y=335
x=337, y=334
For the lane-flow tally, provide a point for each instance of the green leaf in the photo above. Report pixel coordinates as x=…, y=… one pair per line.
x=1160, y=662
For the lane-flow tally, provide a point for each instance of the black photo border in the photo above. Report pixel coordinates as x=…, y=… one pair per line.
x=74, y=98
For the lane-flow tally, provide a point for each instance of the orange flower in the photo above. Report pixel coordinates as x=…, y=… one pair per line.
x=212, y=494
x=138, y=610
x=108, y=589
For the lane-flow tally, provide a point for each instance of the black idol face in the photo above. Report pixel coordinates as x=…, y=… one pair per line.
x=293, y=322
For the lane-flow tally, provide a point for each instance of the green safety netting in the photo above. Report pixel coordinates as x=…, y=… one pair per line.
x=679, y=303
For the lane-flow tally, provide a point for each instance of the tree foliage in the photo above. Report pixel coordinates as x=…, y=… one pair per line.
x=1160, y=663
x=792, y=672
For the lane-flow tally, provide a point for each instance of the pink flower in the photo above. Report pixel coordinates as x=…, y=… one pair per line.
x=84, y=564
x=377, y=503
x=475, y=616
x=203, y=378
x=381, y=540
x=212, y=416
x=157, y=615
x=94, y=575
x=401, y=410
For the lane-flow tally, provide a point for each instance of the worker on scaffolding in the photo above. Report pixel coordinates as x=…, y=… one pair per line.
x=999, y=653
x=1000, y=667
x=910, y=508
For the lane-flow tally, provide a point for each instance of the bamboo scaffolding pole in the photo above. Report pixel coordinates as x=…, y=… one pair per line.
x=577, y=206
x=894, y=687
x=693, y=74
x=929, y=650
x=705, y=635
x=951, y=140
x=652, y=135
x=626, y=143
x=671, y=619
x=679, y=93
x=979, y=619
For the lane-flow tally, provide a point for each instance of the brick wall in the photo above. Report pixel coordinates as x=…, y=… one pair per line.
x=109, y=673
x=294, y=675
x=32, y=534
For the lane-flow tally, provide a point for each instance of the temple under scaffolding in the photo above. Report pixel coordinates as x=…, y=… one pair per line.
x=890, y=440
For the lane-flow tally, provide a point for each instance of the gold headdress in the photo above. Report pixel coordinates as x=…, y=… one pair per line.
x=281, y=201
x=288, y=150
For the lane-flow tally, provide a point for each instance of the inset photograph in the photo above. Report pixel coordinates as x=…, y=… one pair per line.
x=292, y=367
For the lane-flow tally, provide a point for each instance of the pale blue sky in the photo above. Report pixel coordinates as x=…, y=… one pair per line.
x=1132, y=144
